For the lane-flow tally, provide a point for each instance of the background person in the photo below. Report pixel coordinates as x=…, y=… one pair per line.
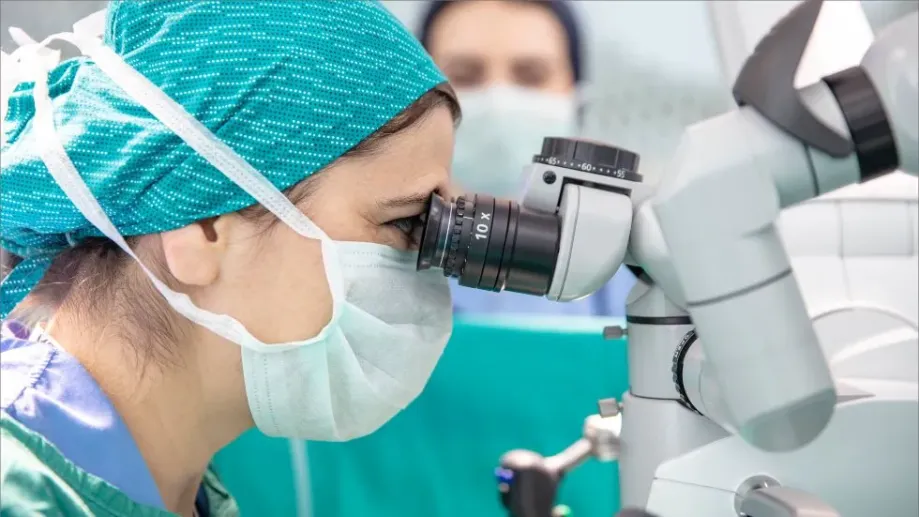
x=516, y=66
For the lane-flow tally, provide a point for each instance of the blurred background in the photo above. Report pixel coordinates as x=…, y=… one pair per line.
x=643, y=72
x=651, y=67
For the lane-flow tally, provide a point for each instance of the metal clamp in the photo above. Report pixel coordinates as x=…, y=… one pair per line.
x=528, y=482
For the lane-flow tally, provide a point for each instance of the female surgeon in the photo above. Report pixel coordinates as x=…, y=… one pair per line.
x=516, y=66
x=214, y=207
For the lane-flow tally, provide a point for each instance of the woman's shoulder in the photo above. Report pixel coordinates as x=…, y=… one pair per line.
x=28, y=484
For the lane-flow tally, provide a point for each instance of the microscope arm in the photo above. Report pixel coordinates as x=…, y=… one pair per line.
x=528, y=482
x=717, y=206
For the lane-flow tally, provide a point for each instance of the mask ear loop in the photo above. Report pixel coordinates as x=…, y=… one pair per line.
x=47, y=56
x=65, y=174
x=92, y=26
x=13, y=70
x=9, y=78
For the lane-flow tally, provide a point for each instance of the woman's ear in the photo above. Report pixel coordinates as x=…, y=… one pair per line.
x=194, y=254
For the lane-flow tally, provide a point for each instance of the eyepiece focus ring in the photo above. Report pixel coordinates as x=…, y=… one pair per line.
x=450, y=268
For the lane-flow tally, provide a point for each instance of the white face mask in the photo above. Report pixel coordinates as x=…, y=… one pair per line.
x=389, y=323
x=502, y=128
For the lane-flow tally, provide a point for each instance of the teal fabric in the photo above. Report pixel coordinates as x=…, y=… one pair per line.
x=501, y=385
x=289, y=85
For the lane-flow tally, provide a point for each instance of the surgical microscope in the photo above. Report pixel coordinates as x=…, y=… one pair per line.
x=732, y=409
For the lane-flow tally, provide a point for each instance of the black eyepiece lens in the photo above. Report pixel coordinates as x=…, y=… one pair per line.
x=490, y=244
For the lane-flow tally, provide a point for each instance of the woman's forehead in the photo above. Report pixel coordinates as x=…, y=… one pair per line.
x=499, y=30
x=408, y=165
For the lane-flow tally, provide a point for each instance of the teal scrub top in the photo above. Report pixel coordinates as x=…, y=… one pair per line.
x=36, y=479
x=65, y=449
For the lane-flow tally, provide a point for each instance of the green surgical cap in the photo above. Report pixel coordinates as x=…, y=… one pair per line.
x=289, y=85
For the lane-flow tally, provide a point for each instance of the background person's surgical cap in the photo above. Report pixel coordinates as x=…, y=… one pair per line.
x=289, y=85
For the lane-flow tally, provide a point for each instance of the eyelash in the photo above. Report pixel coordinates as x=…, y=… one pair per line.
x=405, y=225
x=409, y=227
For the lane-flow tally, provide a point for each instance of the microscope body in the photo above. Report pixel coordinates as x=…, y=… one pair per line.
x=676, y=462
x=733, y=408
x=758, y=409
x=863, y=463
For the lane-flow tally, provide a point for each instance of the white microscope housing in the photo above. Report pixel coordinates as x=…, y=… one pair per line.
x=744, y=399
x=819, y=422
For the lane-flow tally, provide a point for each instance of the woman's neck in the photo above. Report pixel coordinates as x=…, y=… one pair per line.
x=179, y=413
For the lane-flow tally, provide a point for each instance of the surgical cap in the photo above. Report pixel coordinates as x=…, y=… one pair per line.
x=290, y=86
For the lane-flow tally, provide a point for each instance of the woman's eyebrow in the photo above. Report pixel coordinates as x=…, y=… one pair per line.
x=417, y=198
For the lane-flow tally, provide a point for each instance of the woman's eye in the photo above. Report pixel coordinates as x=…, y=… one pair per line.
x=405, y=225
x=410, y=226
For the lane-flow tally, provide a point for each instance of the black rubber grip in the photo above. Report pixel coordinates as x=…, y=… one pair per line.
x=869, y=127
x=677, y=368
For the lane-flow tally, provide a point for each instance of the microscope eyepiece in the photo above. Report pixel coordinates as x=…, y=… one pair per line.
x=490, y=244
x=498, y=245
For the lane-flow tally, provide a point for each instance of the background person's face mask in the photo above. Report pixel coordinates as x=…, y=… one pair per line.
x=389, y=323
x=502, y=128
